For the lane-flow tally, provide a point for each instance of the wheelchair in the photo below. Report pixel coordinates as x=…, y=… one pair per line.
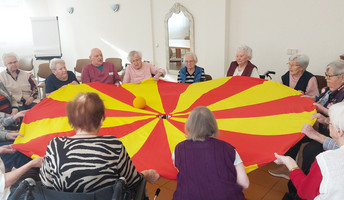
x=266, y=75
x=28, y=189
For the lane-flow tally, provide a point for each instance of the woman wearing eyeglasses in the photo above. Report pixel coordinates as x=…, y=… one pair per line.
x=334, y=93
x=325, y=178
x=298, y=78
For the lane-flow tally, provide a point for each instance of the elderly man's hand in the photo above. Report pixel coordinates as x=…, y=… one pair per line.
x=29, y=100
x=12, y=135
x=74, y=83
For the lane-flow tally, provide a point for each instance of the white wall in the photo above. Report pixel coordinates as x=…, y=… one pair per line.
x=269, y=27
x=15, y=34
x=94, y=24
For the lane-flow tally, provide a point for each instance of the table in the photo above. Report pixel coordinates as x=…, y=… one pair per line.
x=178, y=45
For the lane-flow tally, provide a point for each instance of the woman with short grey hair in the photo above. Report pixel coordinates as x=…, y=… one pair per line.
x=200, y=158
x=242, y=65
x=19, y=83
x=191, y=73
x=59, y=77
x=333, y=93
x=139, y=71
x=298, y=78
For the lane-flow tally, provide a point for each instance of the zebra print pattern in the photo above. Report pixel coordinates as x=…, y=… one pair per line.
x=86, y=164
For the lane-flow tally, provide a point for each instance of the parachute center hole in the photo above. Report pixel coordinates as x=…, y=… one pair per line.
x=164, y=116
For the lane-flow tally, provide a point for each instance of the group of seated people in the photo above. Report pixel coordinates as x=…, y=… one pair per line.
x=105, y=159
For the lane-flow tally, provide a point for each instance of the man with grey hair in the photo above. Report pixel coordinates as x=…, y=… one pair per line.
x=19, y=83
x=298, y=78
x=60, y=76
x=99, y=71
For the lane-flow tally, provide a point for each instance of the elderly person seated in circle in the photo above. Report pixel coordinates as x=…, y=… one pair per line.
x=86, y=162
x=242, y=65
x=191, y=73
x=19, y=83
x=11, y=177
x=334, y=93
x=298, y=78
x=99, y=71
x=60, y=76
x=325, y=178
x=209, y=168
x=139, y=71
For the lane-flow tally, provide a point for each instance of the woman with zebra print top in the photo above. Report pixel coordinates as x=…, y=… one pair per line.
x=86, y=162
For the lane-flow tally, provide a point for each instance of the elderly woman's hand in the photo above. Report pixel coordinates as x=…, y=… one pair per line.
x=308, y=130
x=308, y=96
x=37, y=162
x=157, y=76
x=151, y=175
x=13, y=135
x=285, y=160
x=320, y=118
x=29, y=100
x=321, y=109
x=7, y=149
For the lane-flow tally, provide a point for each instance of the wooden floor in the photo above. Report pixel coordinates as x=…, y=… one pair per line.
x=263, y=186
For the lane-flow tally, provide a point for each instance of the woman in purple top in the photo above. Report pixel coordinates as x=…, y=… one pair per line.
x=209, y=168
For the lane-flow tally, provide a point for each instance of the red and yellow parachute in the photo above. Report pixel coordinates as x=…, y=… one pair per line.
x=258, y=117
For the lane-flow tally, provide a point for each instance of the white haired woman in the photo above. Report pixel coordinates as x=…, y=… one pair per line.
x=19, y=83
x=60, y=76
x=242, y=65
x=209, y=168
x=298, y=78
x=191, y=73
x=139, y=71
x=325, y=178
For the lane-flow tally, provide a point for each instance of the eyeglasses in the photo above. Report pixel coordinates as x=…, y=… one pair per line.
x=330, y=76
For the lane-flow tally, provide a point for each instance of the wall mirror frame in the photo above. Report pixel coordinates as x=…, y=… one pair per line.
x=187, y=44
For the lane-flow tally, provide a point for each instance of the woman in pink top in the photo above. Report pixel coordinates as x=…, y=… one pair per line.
x=139, y=71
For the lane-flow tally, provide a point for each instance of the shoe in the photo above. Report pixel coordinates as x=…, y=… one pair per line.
x=282, y=172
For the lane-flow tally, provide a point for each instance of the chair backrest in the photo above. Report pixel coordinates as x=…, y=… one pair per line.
x=321, y=82
x=40, y=192
x=44, y=70
x=117, y=62
x=25, y=63
x=80, y=63
x=208, y=77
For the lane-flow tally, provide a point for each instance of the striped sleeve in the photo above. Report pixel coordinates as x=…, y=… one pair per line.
x=127, y=169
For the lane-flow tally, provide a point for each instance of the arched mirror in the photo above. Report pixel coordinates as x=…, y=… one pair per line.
x=179, y=36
